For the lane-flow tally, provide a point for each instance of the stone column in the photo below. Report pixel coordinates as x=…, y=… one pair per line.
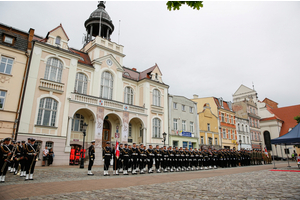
x=68, y=147
x=213, y=139
x=91, y=32
x=144, y=136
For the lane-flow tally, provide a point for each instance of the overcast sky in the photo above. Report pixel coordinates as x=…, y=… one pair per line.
x=209, y=52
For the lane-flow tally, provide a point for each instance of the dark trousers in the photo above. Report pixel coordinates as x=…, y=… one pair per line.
x=5, y=168
x=125, y=163
x=150, y=163
x=30, y=163
x=134, y=163
x=106, y=163
x=91, y=163
x=157, y=163
x=23, y=164
x=17, y=162
x=120, y=163
x=116, y=164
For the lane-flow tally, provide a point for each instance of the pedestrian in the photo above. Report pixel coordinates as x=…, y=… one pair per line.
x=50, y=157
x=106, y=155
x=72, y=156
x=91, y=158
x=45, y=155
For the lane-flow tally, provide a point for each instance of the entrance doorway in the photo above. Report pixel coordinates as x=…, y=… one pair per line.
x=106, y=133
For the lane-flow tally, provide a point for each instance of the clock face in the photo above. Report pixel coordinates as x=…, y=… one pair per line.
x=109, y=62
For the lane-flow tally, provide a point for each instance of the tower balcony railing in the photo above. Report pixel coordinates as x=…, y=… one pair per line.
x=106, y=103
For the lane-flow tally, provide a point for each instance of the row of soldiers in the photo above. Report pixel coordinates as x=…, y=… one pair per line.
x=137, y=158
x=18, y=157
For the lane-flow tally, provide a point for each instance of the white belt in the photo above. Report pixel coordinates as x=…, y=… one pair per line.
x=158, y=154
x=107, y=154
x=29, y=153
x=134, y=154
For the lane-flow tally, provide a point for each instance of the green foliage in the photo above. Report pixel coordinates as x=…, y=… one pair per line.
x=175, y=5
x=297, y=118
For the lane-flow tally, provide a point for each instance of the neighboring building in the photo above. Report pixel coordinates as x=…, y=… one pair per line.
x=277, y=122
x=15, y=48
x=67, y=88
x=245, y=106
x=226, y=115
x=243, y=132
x=183, y=122
x=209, y=131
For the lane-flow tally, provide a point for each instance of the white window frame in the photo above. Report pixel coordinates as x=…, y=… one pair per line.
x=156, y=97
x=174, y=105
x=54, y=69
x=80, y=120
x=6, y=63
x=58, y=40
x=216, y=141
x=156, y=127
x=2, y=98
x=8, y=39
x=49, y=145
x=44, y=102
x=81, y=81
x=208, y=126
x=202, y=139
x=175, y=124
x=128, y=95
x=183, y=107
x=222, y=117
x=191, y=109
x=224, y=133
x=183, y=125
x=210, y=141
x=107, y=83
x=192, y=127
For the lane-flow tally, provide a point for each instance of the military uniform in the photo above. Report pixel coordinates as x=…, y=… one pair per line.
x=158, y=159
x=171, y=159
x=5, y=154
x=177, y=159
x=134, y=158
x=165, y=154
x=19, y=154
x=150, y=156
x=91, y=158
x=106, y=155
x=143, y=157
x=126, y=153
x=31, y=152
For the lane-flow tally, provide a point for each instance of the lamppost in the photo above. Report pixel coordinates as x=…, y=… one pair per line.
x=164, y=136
x=84, y=126
x=240, y=141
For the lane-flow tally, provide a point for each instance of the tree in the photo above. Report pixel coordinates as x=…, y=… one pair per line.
x=297, y=118
x=175, y=5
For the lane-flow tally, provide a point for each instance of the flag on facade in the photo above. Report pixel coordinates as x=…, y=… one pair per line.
x=117, y=149
x=266, y=152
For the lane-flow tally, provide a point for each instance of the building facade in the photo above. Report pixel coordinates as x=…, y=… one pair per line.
x=68, y=88
x=208, y=127
x=243, y=132
x=183, y=122
x=15, y=48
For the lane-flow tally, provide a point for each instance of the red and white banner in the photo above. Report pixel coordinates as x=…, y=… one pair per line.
x=117, y=149
x=266, y=152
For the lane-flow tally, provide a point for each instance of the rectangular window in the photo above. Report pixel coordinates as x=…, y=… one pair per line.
x=192, y=127
x=216, y=141
x=191, y=110
x=49, y=145
x=208, y=126
x=229, y=133
x=184, y=144
x=227, y=118
x=175, y=105
x=209, y=140
x=2, y=99
x=8, y=39
x=183, y=107
x=202, y=140
x=175, y=124
x=232, y=119
x=224, y=133
x=6, y=65
x=222, y=117
x=175, y=143
x=183, y=125
x=130, y=130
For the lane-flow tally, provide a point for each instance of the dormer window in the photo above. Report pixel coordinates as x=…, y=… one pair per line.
x=8, y=39
x=57, y=40
x=156, y=76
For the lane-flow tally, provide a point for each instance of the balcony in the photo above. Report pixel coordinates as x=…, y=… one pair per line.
x=106, y=103
x=51, y=86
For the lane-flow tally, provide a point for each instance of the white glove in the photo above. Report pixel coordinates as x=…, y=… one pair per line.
x=103, y=160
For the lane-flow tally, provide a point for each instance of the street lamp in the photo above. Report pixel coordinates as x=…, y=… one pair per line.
x=84, y=126
x=164, y=136
x=240, y=141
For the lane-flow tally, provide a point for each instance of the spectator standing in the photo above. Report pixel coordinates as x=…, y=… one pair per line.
x=51, y=156
x=45, y=155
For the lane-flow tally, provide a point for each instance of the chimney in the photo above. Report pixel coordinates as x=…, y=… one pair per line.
x=195, y=96
x=30, y=37
x=134, y=69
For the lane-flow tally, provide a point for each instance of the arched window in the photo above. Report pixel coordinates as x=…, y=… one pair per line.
x=77, y=122
x=81, y=83
x=246, y=128
x=156, y=97
x=53, y=70
x=49, y=145
x=128, y=95
x=57, y=40
x=243, y=127
x=47, y=112
x=238, y=125
x=106, y=85
x=156, y=128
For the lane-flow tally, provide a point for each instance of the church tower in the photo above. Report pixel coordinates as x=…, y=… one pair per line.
x=99, y=24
